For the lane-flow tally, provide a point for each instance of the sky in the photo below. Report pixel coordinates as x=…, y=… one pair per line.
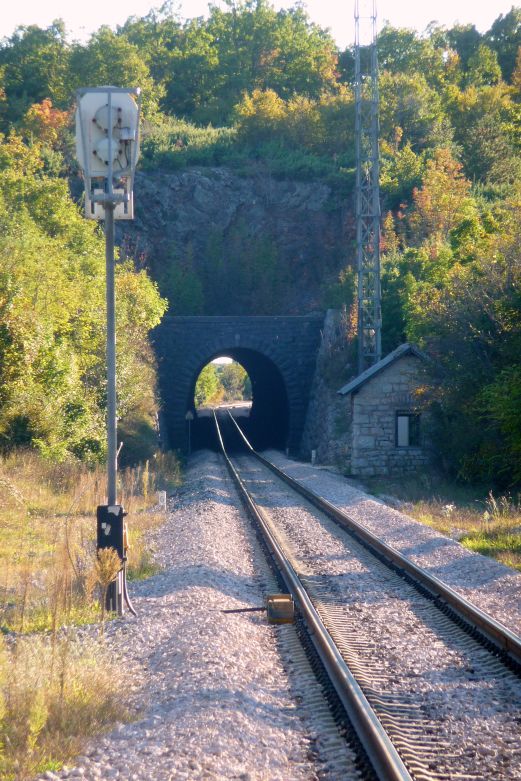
x=82, y=18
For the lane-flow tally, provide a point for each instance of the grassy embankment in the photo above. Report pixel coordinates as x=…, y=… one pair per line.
x=481, y=521
x=56, y=690
x=176, y=144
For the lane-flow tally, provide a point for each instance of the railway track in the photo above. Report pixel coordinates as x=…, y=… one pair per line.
x=429, y=682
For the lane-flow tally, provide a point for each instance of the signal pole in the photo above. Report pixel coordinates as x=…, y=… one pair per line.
x=367, y=189
x=107, y=147
x=112, y=458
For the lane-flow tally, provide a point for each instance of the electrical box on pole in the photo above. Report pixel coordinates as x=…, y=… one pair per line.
x=111, y=528
x=367, y=185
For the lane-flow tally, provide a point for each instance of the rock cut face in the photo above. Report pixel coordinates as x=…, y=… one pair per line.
x=276, y=242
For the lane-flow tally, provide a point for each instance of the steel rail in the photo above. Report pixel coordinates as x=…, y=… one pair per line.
x=381, y=752
x=498, y=634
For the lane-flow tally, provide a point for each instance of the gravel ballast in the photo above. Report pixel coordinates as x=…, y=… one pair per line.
x=456, y=704
x=487, y=583
x=227, y=696
x=220, y=696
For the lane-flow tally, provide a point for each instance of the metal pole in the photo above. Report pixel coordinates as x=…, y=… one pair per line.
x=111, y=355
x=115, y=590
x=367, y=186
x=92, y=130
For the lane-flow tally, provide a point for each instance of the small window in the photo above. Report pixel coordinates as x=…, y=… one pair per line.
x=407, y=429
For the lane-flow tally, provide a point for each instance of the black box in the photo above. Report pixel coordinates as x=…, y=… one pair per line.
x=110, y=525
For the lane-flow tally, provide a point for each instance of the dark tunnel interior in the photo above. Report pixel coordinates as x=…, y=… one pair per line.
x=267, y=423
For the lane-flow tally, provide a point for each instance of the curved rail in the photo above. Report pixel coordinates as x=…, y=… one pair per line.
x=381, y=752
x=498, y=634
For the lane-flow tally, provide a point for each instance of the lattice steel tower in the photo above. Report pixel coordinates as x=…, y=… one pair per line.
x=367, y=185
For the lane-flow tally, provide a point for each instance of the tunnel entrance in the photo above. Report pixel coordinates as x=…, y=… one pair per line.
x=264, y=420
x=279, y=353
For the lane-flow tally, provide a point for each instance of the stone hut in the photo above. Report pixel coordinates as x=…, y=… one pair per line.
x=387, y=431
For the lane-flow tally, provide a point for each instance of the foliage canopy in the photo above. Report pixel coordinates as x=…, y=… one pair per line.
x=259, y=89
x=52, y=375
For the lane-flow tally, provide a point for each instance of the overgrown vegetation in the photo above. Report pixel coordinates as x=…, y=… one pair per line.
x=480, y=520
x=298, y=138
x=55, y=692
x=48, y=579
x=56, y=689
x=267, y=91
x=52, y=363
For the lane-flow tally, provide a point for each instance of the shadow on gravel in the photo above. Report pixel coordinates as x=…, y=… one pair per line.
x=420, y=547
x=332, y=590
x=227, y=701
x=180, y=577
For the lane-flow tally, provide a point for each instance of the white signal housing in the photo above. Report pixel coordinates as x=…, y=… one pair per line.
x=107, y=148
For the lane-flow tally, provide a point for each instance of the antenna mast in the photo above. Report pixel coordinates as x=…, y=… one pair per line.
x=367, y=185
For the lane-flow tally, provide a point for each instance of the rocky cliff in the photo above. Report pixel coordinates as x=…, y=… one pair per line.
x=216, y=224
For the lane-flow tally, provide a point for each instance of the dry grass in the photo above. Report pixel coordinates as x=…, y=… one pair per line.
x=47, y=536
x=54, y=693
x=483, y=522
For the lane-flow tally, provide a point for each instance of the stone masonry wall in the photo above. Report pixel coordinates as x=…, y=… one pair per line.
x=374, y=409
x=184, y=345
x=328, y=423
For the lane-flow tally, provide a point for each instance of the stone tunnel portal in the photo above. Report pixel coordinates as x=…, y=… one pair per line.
x=267, y=424
x=278, y=352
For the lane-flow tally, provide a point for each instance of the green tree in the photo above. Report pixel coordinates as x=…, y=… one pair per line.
x=324, y=126
x=109, y=58
x=441, y=202
x=34, y=64
x=501, y=404
x=490, y=152
x=232, y=377
x=486, y=127
x=208, y=389
x=505, y=38
x=471, y=325
x=52, y=367
x=259, y=115
x=403, y=51
x=193, y=77
x=414, y=109
x=341, y=293
x=156, y=35
x=483, y=67
x=457, y=294
x=245, y=46
x=464, y=40
x=401, y=171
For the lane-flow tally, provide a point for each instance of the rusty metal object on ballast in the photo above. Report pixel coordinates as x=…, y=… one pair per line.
x=281, y=608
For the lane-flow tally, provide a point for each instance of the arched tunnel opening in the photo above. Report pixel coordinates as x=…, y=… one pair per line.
x=265, y=422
